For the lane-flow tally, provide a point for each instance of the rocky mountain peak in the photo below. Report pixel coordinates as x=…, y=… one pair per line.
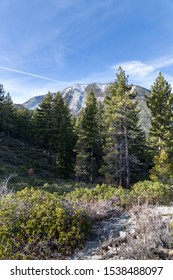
x=76, y=95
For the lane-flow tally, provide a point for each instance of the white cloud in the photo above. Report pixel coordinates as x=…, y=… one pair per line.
x=145, y=73
x=136, y=68
x=163, y=62
x=138, y=72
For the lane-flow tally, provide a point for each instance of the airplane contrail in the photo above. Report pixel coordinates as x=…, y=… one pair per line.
x=32, y=75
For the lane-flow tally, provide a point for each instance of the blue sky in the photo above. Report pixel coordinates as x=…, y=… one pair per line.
x=52, y=44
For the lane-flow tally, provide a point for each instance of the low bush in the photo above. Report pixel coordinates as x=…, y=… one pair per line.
x=151, y=193
x=35, y=224
x=85, y=194
x=99, y=202
x=61, y=187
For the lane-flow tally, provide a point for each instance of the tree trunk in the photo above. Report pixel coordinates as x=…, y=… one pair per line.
x=120, y=167
x=127, y=168
x=92, y=165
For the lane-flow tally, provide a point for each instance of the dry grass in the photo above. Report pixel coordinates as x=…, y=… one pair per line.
x=148, y=236
x=4, y=190
x=99, y=209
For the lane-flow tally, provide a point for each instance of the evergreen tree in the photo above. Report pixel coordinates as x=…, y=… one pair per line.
x=23, y=125
x=160, y=137
x=62, y=139
x=124, y=138
x=54, y=133
x=43, y=124
x=88, y=147
x=8, y=115
x=100, y=134
x=2, y=96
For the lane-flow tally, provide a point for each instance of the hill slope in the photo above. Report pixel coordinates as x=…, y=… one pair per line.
x=28, y=164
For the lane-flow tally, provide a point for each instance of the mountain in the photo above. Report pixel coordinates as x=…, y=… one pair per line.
x=75, y=97
x=144, y=111
x=33, y=103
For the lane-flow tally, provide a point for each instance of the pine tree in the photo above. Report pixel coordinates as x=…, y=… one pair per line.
x=88, y=147
x=160, y=137
x=8, y=115
x=2, y=96
x=23, y=125
x=100, y=134
x=124, y=138
x=43, y=124
x=54, y=133
x=62, y=139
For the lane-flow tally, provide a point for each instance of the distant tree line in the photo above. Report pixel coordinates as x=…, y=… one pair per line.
x=105, y=141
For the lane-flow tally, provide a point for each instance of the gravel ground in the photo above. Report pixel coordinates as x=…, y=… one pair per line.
x=113, y=229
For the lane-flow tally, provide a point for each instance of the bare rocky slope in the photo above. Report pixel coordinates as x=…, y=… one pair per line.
x=141, y=233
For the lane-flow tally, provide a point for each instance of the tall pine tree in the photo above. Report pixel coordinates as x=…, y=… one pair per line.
x=54, y=133
x=2, y=96
x=124, y=138
x=160, y=137
x=88, y=147
x=62, y=139
x=23, y=125
x=8, y=115
x=43, y=125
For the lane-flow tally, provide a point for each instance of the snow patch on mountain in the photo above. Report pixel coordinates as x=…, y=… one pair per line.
x=76, y=95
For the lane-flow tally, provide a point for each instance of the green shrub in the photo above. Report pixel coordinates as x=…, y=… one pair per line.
x=152, y=193
x=79, y=194
x=6, y=170
x=119, y=196
x=103, y=192
x=34, y=224
x=123, y=197
x=61, y=187
x=85, y=194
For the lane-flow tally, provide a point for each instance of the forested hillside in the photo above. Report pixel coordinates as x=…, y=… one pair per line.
x=61, y=173
x=77, y=145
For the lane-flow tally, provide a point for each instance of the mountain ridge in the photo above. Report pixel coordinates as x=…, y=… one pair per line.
x=76, y=95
